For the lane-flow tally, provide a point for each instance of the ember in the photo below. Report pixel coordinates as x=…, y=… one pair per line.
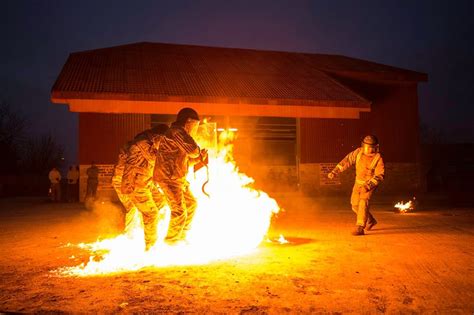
x=232, y=220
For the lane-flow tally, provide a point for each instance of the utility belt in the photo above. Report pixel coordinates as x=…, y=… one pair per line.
x=360, y=182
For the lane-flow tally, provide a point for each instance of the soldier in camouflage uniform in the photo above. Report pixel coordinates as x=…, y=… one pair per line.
x=137, y=180
x=370, y=172
x=178, y=151
x=130, y=208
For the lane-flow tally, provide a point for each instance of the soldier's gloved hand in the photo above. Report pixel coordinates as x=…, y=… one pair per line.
x=204, y=154
x=369, y=186
x=331, y=174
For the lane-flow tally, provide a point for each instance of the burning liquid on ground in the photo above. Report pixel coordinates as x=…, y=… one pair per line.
x=404, y=207
x=233, y=220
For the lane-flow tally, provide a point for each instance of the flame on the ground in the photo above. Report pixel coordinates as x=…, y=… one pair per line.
x=232, y=221
x=282, y=240
x=404, y=207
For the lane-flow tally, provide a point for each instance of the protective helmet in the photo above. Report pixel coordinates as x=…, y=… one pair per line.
x=370, y=140
x=185, y=114
x=370, y=145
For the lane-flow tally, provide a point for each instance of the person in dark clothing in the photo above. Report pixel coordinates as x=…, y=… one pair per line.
x=178, y=151
x=92, y=180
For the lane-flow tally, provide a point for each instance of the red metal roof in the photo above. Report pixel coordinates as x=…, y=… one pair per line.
x=361, y=68
x=159, y=72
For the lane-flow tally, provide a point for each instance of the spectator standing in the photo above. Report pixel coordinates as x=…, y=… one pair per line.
x=92, y=181
x=72, y=184
x=55, y=188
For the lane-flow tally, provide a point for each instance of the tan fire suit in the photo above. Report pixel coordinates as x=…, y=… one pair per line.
x=138, y=184
x=370, y=172
x=125, y=199
x=177, y=152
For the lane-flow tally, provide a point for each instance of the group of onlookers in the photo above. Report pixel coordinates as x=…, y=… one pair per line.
x=72, y=185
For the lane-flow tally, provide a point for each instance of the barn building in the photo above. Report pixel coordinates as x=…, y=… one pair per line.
x=297, y=114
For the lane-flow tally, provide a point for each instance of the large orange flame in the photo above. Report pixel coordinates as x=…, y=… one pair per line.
x=232, y=220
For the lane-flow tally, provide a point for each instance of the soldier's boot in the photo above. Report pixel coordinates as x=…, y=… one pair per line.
x=371, y=223
x=148, y=245
x=359, y=230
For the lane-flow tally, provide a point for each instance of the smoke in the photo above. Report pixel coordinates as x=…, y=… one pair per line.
x=107, y=216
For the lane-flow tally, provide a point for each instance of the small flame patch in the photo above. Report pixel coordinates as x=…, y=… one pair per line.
x=404, y=207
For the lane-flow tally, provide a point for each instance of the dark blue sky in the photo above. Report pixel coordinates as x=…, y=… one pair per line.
x=435, y=37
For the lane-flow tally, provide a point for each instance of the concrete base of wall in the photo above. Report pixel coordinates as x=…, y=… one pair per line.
x=399, y=178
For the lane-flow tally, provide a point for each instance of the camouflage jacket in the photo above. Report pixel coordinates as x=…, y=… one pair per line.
x=120, y=166
x=177, y=150
x=139, y=163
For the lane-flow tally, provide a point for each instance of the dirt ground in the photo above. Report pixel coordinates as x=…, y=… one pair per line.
x=420, y=262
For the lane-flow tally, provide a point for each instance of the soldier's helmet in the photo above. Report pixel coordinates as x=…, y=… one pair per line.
x=187, y=113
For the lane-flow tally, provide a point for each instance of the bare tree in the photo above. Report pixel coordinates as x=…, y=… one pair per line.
x=40, y=155
x=21, y=153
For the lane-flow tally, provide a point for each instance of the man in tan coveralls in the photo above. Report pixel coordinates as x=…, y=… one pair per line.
x=370, y=172
x=137, y=180
x=178, y=151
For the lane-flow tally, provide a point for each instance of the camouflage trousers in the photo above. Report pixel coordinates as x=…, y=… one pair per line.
x=360, y=204
x=149, y=200
x=183, y=205
x=130, y=208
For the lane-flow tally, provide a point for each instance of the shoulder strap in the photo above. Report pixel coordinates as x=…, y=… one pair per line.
x=359, y=154
x=375, y=161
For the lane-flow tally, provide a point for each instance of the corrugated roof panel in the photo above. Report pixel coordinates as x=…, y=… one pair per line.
x=147, y=70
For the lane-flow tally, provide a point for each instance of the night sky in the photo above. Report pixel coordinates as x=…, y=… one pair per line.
x=435, y=37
